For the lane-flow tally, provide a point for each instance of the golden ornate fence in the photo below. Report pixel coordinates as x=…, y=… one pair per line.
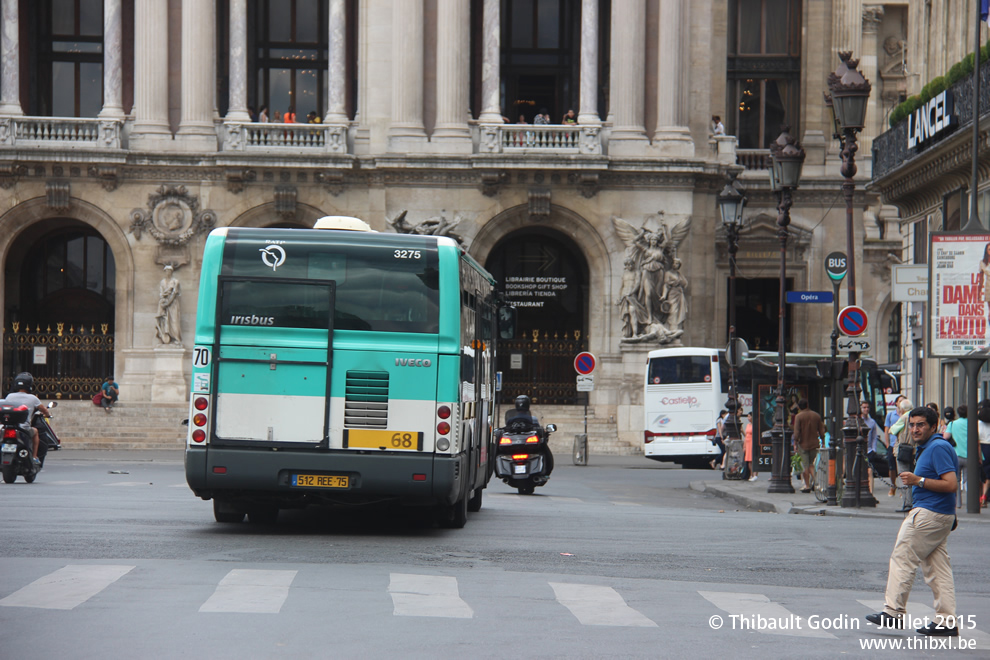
x=66, y=362
x=543, y=366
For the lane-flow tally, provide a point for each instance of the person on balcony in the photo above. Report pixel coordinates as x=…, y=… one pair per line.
x=542, y=117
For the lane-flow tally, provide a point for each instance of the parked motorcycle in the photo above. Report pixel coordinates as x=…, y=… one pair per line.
x=15, y=442
x=523, y=459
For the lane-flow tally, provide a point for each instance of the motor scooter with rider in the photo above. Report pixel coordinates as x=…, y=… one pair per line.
x=22, y=417
x=523, y=459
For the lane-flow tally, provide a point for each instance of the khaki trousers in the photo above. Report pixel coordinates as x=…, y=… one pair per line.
x=922, y=539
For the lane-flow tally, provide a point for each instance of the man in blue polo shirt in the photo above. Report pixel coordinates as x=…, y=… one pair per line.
x=924, y=534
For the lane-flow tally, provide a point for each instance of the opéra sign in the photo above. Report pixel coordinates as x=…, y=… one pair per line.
x=931, y=120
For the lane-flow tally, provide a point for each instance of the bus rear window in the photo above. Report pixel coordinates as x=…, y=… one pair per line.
x=275, y=304
x=379, y=287
x=680, y=370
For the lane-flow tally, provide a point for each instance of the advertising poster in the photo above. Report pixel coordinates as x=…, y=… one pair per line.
x=959, y=294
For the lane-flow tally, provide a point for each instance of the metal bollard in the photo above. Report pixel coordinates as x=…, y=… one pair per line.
x=581, y=449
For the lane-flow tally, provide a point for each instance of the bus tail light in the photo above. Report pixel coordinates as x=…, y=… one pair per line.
x=443, y=412
x=199, y=419
x=648, y=436
x=443, y=428
x=199, y=435
x=201, y=403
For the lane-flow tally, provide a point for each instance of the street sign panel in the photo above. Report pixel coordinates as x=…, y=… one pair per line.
x=586, y=382
x=836, y=266
x=809, y=296
x=853, y=344
x=585, y=363
x=852, y=321
x=909, y=283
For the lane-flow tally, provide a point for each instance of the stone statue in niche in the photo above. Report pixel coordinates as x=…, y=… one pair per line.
x=167, y=318
x=652, y=299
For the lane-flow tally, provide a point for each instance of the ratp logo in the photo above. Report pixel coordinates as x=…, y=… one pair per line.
x=273, y=256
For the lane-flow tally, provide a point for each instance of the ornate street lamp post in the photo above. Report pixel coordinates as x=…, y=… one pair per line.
x=850, y=93
x=786, y=162
x=731, y=202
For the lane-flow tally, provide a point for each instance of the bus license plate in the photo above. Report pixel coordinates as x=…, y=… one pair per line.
x=392, y=440
x=320, y=481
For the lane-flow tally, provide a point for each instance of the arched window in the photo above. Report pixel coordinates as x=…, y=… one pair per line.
x=69, y=277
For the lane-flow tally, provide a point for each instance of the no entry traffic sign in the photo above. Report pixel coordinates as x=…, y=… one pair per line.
x=585, y=363
x=852, y=321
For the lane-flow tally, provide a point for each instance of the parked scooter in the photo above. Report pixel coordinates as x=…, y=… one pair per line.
x=523, y=459
x=16, y=442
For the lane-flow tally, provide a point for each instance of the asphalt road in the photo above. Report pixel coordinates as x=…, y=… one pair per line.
x=110, y=555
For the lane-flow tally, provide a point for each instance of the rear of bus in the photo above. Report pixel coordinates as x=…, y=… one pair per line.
x=327, y=370
x=682, y=400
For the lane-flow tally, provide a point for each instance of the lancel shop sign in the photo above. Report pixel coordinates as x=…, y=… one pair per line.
x=931, y=120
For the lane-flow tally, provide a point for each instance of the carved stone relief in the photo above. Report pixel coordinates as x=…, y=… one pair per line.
x=172, y=217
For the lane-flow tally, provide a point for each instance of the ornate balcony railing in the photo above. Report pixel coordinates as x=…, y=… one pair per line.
x=753, y=159
x=60, y=132
x=538, y=138
x=258, y=137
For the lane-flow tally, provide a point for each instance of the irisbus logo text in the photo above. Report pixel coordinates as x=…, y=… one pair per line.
x=689, y=401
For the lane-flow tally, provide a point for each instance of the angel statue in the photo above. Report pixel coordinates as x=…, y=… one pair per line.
x=435, y=226
x=660, y=297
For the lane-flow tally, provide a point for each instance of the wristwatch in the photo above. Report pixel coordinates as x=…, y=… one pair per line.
x=922, y=483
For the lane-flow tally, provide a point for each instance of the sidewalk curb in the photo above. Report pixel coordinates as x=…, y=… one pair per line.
x=745, y=500
x=817, y=509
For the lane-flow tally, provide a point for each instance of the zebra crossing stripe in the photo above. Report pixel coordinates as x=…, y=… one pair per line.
x=750, y=607
x=427, y=595
x=593, y=605
x=248, y=591
x=67, y=587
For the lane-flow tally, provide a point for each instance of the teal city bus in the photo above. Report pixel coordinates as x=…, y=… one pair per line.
x=341, y=367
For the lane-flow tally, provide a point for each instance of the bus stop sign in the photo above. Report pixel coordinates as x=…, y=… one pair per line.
x=585, y=363
x=835, y=266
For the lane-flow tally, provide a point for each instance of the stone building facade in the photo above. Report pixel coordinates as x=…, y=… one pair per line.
x=927, y=185
x=133, y=127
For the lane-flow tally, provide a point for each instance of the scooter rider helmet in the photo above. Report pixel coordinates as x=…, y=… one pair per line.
x=24, y=381
x=522, y=403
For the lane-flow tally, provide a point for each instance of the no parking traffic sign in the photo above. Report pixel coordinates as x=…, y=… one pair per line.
x=852, y=321
x=585, y=363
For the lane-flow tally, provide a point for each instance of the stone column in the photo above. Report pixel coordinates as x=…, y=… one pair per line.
x=491, y=107
x=150, y=75
x=10, y=61
x=846, y=26
x=336, y=112
x=237, y=92
x=672, y=138
x=198, y=76
x=872, y=16
x=453, y=57
x=588, y=103
x=113, y=95
x=628, y=64
x=406, y=132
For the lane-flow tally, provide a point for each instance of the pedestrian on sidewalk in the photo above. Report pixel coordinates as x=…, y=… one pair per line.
x=809, y=432
x=872, y=437
x=720, y=439
x=748, y=434
x=924, y=534
x=890, y=420
x=957, y=434
x=983, y=415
